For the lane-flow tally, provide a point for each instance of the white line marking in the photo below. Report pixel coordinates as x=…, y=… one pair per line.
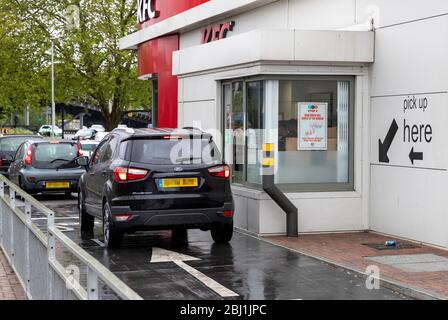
x=98, y=242
x=162, y=255
x=212, y=284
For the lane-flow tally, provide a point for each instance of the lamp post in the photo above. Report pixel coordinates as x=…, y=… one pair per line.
x=53, y=106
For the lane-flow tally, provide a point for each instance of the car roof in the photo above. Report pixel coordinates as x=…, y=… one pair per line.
x=41, y=141
x=159, y=132
x=20, y=136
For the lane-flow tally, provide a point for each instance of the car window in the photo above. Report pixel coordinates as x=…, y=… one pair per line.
x=54, y=155
x=110, y=149
x=20, y=153
x=99, y=152
x=182, y=151
x=124, y=151
x=88, y=146
x=12, y=144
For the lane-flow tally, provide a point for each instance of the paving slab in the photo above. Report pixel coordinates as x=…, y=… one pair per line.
x=420, y=271
x=414, y=262
x=10, y=288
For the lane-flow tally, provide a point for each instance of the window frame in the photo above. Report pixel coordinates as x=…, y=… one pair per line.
x=230, y=82
x=300, y=187
x=112, y=138
x=94, y=162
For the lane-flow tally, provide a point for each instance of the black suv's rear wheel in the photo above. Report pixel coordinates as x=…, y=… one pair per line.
x=222, y=233
x=112, y=237
x=86, y=221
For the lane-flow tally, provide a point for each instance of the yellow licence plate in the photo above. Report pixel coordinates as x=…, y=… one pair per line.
x=57, y=185
x=180, y=183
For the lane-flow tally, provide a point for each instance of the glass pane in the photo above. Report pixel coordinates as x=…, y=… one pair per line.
x=254, y=132
x=227, y=103
x=51, y=156
x=313, y=134
x=237, y=127
x=12, y=144
x=176, y=151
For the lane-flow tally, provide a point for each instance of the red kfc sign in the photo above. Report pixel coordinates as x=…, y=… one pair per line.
x=217, y=32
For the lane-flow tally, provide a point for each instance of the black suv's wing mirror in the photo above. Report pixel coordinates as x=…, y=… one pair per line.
x=83, y=162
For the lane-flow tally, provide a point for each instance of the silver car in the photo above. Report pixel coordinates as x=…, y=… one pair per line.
x=42, y=166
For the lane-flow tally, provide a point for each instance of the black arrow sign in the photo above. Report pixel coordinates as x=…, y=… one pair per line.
x=385, y=146
x=415, y=155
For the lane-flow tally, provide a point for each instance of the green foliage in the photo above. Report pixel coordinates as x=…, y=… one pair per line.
x=89, y=67
x=15, y=131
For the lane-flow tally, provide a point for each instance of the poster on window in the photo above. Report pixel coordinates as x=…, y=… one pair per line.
x=312, y=126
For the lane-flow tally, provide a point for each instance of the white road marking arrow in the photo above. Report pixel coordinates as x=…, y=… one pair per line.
x=162, y=255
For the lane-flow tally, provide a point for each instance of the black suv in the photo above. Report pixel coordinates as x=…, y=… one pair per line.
x=154, y=179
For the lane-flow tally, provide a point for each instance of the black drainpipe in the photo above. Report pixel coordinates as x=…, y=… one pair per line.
x=292, y=213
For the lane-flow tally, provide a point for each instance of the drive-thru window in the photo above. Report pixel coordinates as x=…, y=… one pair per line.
x=313, y=120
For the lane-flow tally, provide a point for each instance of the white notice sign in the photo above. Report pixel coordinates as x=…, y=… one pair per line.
x=312, y=126
x=410, y=131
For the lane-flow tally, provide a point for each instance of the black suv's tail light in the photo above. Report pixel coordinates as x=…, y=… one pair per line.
x=220, y=171
x=228, y=213
x=129, y=174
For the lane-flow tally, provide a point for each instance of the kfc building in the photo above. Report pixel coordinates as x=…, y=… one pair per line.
x=352, y=94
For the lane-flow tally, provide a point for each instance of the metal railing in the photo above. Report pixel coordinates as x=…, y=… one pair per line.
x=33, y=253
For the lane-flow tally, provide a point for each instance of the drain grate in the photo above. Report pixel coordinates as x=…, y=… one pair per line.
x=398, y=246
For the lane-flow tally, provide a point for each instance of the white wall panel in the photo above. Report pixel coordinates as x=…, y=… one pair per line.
x=410, y=203
x=321, y=14
x=315, y=215
x=391, y=12
x=199, y=113
x=199, y=88
x=411, y=58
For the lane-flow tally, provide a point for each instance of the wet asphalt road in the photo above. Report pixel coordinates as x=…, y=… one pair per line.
x=249, y=267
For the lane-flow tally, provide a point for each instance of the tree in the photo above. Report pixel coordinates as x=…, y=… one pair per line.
x=20, y=81
x=89, y=65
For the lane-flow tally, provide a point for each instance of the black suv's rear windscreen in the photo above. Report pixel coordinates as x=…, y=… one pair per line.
x=54, y=155
x=175, y=151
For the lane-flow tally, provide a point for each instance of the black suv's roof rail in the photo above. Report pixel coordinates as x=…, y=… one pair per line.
x=194, y=128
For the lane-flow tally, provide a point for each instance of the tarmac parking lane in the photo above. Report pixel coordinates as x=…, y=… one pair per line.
x=194, y=268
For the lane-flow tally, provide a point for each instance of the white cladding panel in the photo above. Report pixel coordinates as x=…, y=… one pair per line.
x=315, y=215
x=411, y=58
x=331, y=47
x=410, y=203
x=199, y=114
x=392, y=12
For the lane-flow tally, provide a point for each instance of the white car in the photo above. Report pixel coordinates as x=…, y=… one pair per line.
x=87, y=147
x=98, y=128
x=100, y=136
x=45, y=130
x=84, y=133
